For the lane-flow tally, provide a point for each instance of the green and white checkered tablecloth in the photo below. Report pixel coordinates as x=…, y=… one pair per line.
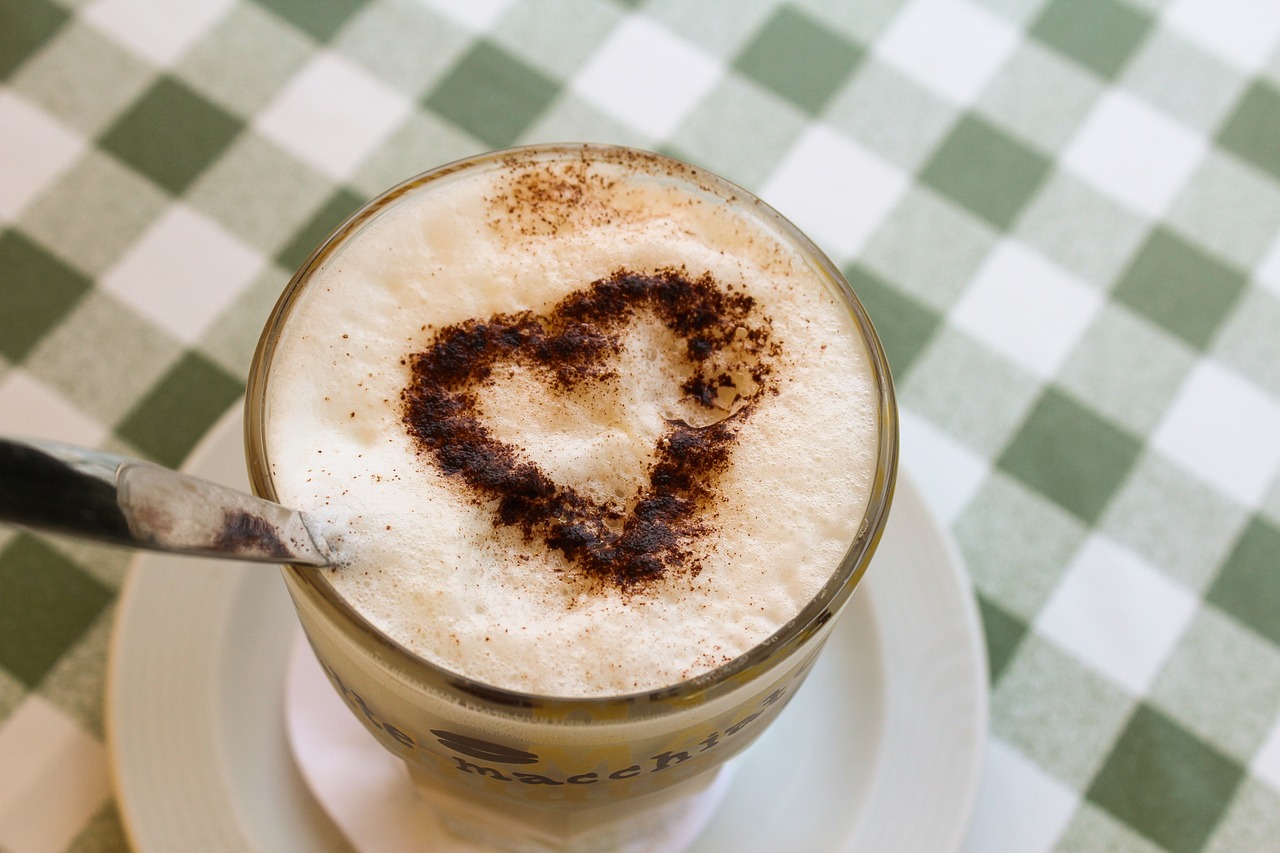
x=1063, y=215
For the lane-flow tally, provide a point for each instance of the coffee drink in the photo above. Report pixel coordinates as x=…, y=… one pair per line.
x=605, y=444
x=478, y=393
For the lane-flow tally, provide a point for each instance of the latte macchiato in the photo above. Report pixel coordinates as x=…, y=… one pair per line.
x=580, y=427
x=605, y=445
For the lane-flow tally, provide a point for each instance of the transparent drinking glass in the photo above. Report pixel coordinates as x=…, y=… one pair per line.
x=545, y=773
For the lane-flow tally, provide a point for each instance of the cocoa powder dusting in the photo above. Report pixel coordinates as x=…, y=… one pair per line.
x=244, y=531
x=544, y=198
x=572, y=344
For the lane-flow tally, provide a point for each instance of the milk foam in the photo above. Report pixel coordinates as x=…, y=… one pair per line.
x=428, y=564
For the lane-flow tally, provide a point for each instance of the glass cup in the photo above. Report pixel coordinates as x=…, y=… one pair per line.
x=528, y=772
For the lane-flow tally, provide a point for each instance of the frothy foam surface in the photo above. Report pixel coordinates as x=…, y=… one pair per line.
x=435, y=557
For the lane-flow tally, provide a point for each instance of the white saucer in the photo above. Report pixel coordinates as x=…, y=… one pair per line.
x=195, y=708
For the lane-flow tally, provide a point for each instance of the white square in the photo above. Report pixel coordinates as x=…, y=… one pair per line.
x=1266, y=762
x=646, y=77
x=475, y=15
x=30, y=408
x=183, y=271
x=1243, y=33
x=949, y=473
x=952, y=46
x=1133, y=152
x=1116, y=613
x=1269, y=267
x=1225, y=430
x=333, y=114
x=1027, y=308
x=158, y=30
x=34, y=150
x=835, y=190
x=55, y=778
x=1020, y=807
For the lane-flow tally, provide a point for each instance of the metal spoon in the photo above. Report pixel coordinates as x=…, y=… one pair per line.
x=60, y=488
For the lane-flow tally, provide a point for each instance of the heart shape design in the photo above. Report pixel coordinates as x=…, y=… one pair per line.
x=726, y=342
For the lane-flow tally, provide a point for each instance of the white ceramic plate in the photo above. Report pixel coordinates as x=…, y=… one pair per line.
x=881, y=750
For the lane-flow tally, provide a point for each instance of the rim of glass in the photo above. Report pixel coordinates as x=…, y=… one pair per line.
x=710, y=685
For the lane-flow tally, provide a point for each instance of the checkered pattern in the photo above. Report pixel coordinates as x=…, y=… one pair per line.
x=1064, y=216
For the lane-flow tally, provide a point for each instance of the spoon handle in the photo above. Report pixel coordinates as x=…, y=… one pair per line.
x=87, y=493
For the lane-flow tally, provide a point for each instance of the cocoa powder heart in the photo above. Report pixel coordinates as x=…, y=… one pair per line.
x=572, y=344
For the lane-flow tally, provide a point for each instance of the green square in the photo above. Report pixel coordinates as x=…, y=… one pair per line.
x=1100, y=34
x=492, y=95
x=171, y=134
x=46, y=603
x=83, y=78
x=799, y=59
x=1180, y=287
x=986, y=171
x=319, y=18
x=180, y=408
x=891, y=114
x=1218, y=664
x=1248, y=587
x=244, y=61
x=38, y=292
x=28, y=25
x=260, y=193
x=1057, y=711
x=904, y=324
x=1165, y=782
x=341, y=204
x=1070, y=455
x=734, y=111
x=1003, y=632
x=1009, y=568
x=1254, y=127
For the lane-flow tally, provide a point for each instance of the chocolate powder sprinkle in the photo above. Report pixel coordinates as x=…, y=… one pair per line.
x=244, y=531
x=573, y=344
